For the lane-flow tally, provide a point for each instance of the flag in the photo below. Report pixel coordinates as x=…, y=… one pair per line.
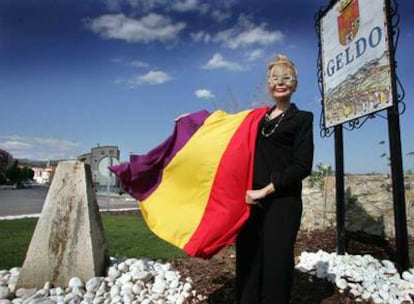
x=191, y=188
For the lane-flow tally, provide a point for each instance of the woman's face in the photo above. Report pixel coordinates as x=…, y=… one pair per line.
x=282, y=82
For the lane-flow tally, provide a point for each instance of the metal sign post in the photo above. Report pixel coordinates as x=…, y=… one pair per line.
x=103, y=166
x=397, y=172
x=398, y=191
x=340, y=191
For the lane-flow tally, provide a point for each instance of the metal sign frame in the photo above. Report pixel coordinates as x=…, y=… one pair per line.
x=357, y=121
x=394, y=110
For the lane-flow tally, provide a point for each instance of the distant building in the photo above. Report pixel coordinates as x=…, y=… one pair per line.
x=99, y=159
x=6, y=161
x=43, y=175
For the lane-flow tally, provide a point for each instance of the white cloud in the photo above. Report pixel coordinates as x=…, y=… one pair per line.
x=14, y=144
x=220, y=16
x=218, y=62
x=152, y=77
x=247, y=33
x=152, y=27
x=226, y=4
x=138, y=64
x=201, y=36
x=185, y=5
x=189, y=5
x=203, y=93
x=143, y=6
x=220, y=12
x=39, y=148
x=134, y=63
x=146, y=6
x=113, y=5
x=254, y=55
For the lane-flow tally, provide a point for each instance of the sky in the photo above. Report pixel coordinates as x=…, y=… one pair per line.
x=77, y=74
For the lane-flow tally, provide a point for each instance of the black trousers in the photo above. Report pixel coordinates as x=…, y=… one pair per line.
x=265, y=251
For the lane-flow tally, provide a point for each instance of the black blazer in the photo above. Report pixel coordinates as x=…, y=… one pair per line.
x=285, y=157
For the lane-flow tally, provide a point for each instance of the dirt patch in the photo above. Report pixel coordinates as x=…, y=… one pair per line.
x=215, y=277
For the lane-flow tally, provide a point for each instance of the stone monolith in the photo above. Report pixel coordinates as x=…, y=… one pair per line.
x=69, y=238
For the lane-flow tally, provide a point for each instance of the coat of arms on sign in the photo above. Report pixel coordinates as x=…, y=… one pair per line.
x=348, y=20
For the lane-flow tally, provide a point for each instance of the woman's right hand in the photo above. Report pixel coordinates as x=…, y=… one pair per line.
x=253, y=196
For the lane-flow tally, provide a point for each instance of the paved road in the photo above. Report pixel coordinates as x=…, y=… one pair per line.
x=30, y=201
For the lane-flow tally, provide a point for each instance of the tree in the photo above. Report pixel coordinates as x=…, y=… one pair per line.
x=13, y=173
x=410, y=154
x=385, y=155
x=388, y=158
x=3, y=179
x=16, y=175
x=27, y=173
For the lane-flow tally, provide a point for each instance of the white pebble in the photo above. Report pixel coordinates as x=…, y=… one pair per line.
x=136, y=289
x=368, y=279
x=341, y=283
x=75, y=282
x=4, y=292
x=144, y=276
x=25, y=293
x=93, y=284
x=123, y=267
x=98, y=300
x=180, y=300
x=115, y=291
x=187, y=287
x=113, y=274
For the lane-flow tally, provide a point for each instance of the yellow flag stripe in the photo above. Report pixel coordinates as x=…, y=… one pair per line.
x=175, y=208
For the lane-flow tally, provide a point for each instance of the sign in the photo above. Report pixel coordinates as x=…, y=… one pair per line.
x=356, y=71
x=106, y=162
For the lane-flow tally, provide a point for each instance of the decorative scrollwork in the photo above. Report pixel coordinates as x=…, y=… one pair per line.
x=324, y=132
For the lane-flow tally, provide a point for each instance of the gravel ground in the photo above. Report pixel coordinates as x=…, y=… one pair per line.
x=215, y=277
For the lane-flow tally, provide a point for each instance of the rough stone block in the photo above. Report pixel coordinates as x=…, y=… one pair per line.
x=69, y=238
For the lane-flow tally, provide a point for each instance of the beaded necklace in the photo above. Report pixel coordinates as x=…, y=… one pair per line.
x=268, y=119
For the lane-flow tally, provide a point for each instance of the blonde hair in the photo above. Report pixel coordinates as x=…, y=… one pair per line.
x=281, y=59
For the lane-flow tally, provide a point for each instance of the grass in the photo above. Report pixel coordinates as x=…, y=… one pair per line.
x=126, y=235
x=15, y=238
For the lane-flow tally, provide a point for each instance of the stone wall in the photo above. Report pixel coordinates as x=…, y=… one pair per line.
x=368, y=204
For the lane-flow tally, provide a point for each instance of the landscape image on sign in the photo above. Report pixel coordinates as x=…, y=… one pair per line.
x=366, y=91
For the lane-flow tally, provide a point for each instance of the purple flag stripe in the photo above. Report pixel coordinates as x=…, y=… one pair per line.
x=142, y=174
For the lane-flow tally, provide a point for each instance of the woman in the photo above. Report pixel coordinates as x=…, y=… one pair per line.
x=283, y=158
